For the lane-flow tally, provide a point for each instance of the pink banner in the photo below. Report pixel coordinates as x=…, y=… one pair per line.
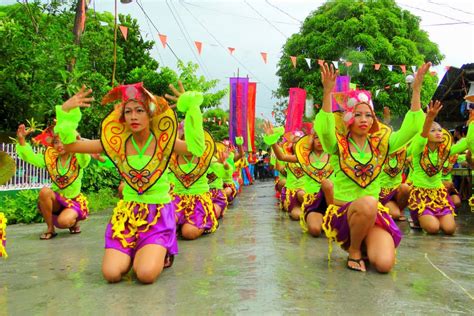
x=294, y=115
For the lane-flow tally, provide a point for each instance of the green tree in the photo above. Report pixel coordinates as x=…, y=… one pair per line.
x=218, y=131
x=38, y=44
x=369, y=32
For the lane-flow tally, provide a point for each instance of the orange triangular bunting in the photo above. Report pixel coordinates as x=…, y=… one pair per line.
x=231, y=50
x=293, y=61
x=124, y=31
x=264, y=56
x=163, y=39
x=403, y=68
x=198, y=46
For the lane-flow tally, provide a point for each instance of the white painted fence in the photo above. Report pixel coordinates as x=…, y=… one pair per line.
x=26, y=176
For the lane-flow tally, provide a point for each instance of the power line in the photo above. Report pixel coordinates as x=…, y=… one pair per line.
x=146, y=15
x=236, y=15
x=222, y=45
x=184, y=32
x=452, y=23
x=287, y=14
x=153, y=37
x=268, y=21
x=452, y=8
x=436, y=13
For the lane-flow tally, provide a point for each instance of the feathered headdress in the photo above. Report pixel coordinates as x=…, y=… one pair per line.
x=136, y=92
x=46, y=137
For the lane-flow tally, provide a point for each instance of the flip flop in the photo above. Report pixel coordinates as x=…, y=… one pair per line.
x=48, y=235
x=358, y=261
x=75, y=230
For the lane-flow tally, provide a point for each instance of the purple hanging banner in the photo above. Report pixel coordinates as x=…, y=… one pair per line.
x=342, y=85
x=295, y=111
x=238, y=109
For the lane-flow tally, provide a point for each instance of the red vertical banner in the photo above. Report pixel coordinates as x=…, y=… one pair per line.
x=252, y=93
x=294, y=115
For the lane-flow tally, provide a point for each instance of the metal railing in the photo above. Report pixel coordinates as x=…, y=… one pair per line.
x=26, y=176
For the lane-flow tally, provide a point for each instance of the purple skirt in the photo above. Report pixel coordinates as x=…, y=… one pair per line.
x=387, y=195
x=336, y=226
x=234, y=191
x=315, y=202
x=219, y=198
x=433, y=202
x=3, y=235
x=282, y=199
x=135, y=225
x=290, y=200
x=77, y=204
x=196, y=210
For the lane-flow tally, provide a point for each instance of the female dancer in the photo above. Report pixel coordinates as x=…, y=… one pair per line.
x=138, y=135
x=317, y=189
x=230, y=188
x=295, y=176
x=429, y=202
x=215, y=176
x=191, y=197
x=356, y=220
x=63, y=205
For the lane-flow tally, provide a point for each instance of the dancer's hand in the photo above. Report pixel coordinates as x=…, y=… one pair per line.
x=268, y=127
x=471, y=117
x=222, y=156
x=328, y=76
x=81, y=99
x=420, y=74
x=176, y=93
x=22, y=133
x=434, y=108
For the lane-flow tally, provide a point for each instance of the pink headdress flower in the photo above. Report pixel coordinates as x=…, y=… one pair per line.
x=349, y=99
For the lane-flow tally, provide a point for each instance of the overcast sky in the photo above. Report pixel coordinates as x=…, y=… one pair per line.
x=254, y=26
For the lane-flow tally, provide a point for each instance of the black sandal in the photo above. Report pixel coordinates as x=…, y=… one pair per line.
x=358, y=261
x=48, y=235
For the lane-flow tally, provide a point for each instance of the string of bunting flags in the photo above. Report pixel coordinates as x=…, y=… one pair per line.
x=294, y=59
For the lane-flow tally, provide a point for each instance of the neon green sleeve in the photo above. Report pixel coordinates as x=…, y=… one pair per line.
x=66, y=124
x=273, y=138
x=27, y=154
x=417, y=145
x=189, y=103
x=470, y=137
x=218, y=169
x=411, y=126
x=239, y=140
x=459, y=147
x=325, y=127
x=83, y=159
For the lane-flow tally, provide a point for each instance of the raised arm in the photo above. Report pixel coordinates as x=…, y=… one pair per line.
x=432, y=112
x=271, y=138
x=189, y=103
x=325, y=123
x=411, y=125
x=419, y=141
x=24, y=150
x=68, y=116
x=417, y=84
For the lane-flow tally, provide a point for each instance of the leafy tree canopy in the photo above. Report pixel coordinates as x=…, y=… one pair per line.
x=38, y=45
x=360, y=31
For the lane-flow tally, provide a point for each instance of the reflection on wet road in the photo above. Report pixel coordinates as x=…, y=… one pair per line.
x=257, y=262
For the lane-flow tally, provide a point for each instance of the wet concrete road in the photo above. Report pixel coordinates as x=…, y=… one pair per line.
x=257, y=262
